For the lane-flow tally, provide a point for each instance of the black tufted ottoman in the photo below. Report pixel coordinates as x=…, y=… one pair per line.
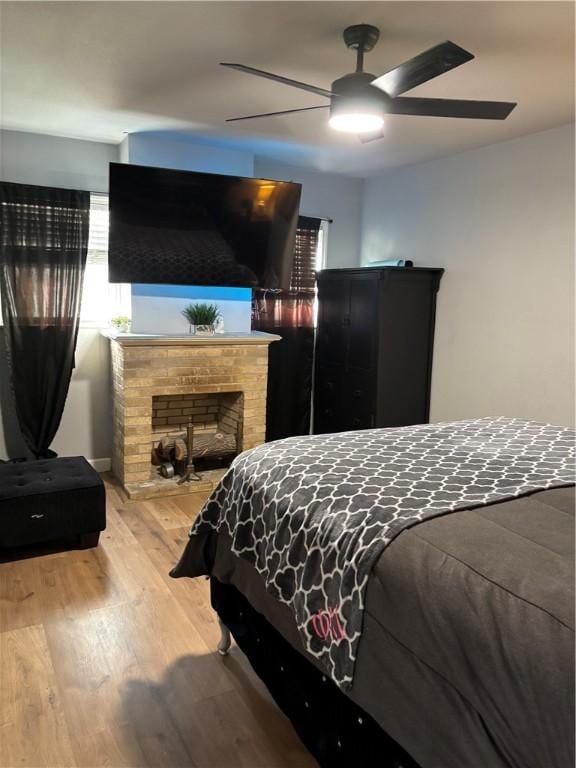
x=51, y=499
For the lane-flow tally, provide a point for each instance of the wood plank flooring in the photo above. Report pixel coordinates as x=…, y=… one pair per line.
x=106, y=661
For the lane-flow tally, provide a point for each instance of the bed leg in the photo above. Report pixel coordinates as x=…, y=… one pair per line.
x=225, y=639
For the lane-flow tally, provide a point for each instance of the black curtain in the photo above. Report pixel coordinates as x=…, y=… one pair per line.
x=290, y=314
x=43, y=245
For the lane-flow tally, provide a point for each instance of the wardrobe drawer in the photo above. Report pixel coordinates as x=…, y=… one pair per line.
x=359, y=400
x=359, y=388
x=328, y=411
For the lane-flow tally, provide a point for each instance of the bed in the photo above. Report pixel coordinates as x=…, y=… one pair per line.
x=465, y=655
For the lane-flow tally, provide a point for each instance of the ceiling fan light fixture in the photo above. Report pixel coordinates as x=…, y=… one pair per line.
x=356, y=107
x=356, y=122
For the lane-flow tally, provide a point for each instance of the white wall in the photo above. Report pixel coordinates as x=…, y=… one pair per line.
x=325, y=195
x=500, y=220
x=86, y=427
x=168, y=149
x=32, y=158
x=159, y=308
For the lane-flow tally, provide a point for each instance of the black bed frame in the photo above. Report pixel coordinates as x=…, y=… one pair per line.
x=336, y=731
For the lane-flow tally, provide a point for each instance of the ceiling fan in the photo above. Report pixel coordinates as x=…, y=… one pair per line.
x=359, y=101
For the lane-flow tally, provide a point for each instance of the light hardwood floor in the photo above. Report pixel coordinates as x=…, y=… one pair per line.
x=106, y=661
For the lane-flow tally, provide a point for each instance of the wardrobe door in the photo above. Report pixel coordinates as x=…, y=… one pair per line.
x=329, y=415
x=333, y=309
x=363, y=323
x=359, y=400
x=406, y=345
x=331, y=351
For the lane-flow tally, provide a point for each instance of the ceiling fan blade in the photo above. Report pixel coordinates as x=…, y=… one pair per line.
x=278, y=78
x=427, y=65
x=274, y=114
x=478, y=110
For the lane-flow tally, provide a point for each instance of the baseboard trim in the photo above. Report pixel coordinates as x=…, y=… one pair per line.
x=101, y=465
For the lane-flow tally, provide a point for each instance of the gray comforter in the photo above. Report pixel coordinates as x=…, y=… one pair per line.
x=313, y=514
x=467, y=652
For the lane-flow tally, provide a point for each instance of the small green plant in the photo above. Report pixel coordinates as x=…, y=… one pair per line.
x=120, y=320
x=202, y=314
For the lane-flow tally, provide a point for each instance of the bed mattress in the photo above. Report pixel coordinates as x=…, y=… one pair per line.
x=467, y=653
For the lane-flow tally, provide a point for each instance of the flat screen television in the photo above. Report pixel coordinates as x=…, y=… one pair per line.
x=188, y=228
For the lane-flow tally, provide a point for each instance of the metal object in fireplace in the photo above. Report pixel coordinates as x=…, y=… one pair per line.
x=190, y=471
x=175, y=454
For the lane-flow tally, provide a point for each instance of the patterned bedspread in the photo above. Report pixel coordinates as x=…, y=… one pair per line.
x=313, y=514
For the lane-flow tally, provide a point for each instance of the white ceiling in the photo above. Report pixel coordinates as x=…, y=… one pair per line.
x=97, y=70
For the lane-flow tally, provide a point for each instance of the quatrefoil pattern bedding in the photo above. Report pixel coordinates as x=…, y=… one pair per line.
x=312, y=514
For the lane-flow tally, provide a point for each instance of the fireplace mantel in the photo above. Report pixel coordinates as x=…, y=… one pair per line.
x=189, y=339
x=147, y=368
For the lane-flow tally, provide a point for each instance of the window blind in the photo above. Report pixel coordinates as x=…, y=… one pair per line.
x=303, y=277
x=101, y=300
x=98, y=235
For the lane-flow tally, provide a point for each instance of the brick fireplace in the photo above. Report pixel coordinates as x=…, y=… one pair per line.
x=160, y=384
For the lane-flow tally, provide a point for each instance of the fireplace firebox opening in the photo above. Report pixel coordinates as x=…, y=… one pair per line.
x=195, y=432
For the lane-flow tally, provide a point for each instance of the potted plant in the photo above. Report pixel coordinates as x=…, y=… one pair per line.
x=121, y=323
x=202, y=318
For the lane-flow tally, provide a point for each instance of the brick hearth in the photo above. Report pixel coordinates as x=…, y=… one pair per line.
x=176, y=378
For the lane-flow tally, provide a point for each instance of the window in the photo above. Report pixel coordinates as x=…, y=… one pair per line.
x=308, y=254
x=101, y=300
x=296, y=307
x=309, y=258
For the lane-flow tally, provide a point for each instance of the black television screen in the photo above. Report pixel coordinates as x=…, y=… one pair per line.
x=190, y=228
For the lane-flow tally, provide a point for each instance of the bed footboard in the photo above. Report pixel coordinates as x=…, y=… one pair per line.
x=336, y=731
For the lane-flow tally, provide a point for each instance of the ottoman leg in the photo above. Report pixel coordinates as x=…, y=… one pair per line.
x=88, y=540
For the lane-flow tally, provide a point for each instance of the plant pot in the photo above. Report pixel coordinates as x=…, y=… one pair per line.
x=125, y=328
x=203, y=330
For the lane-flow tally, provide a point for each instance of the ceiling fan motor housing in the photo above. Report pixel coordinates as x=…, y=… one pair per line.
x=353, y=93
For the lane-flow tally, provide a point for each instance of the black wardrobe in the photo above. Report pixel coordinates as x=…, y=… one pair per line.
x=375, y=336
